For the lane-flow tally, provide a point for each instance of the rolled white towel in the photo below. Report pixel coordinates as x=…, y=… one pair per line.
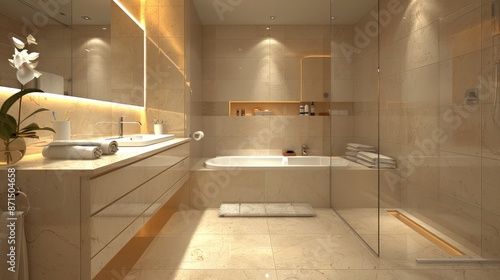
x=108, y=147
x=72, y=152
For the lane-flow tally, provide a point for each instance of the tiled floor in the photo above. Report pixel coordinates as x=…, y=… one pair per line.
x=200, y=245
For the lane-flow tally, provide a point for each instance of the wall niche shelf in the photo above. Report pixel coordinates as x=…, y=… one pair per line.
x=278, y=108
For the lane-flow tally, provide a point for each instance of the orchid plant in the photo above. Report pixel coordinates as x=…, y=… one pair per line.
x=24, y=62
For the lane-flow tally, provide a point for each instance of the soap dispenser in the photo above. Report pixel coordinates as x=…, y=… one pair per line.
x=313, y=110
x=306, y=110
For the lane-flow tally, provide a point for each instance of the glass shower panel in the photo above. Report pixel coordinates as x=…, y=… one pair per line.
x=354, y=115
x=439, y=70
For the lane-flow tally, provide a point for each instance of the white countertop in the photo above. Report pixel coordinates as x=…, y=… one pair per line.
x=124, y=156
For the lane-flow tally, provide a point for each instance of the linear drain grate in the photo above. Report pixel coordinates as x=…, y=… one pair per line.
x=436, y=240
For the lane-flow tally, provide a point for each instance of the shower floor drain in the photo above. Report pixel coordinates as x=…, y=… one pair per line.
x=436, y=240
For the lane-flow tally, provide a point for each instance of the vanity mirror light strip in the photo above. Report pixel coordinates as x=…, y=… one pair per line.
x=65, y=98
x=141, y=23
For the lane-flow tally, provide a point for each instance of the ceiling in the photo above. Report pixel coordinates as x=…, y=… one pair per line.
x=212, y=12
x=287, y=12
x=68, y=13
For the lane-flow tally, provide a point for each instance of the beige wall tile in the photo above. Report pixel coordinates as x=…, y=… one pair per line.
x=490, y=190
x=490, y=130
x=422, y=47
x=211, y=188
x=308, y=186
x=460, y=177
x=462, y=128
x=460, y=32
x=490, y=238
x=457, y=75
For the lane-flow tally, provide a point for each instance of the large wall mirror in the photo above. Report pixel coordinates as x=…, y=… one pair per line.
x=88, y=48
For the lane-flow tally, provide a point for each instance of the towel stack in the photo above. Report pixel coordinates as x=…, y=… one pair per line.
x=367, y=156
x=79, y=149
x=354, y=148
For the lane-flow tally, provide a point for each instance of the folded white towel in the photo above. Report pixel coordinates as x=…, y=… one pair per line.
x=360, y=146
x=374, y=165
x=72, y=152
x=108, y=147
x=373, y=157
x=351, y=158
x=351, y=153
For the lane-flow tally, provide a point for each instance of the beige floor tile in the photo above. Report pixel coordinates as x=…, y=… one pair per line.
x=335, y=274
x=400, y=251
x=191, y=222
x=322, y=252
x=200, y=245
x=325, y=222
x=363, y=220
x=208, y=252
x=201, y=274
x=434, y=274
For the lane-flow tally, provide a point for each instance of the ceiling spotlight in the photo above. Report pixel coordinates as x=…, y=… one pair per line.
x=332, y=17
x=268, y=28
x=86, y=18
x=272, y=17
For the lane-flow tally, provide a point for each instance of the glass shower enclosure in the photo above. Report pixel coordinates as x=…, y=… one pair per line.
x=420, y=80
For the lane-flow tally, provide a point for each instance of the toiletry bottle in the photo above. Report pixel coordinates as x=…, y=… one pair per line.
x=237, y=112
x=242, y=112
x=306, y=110
x=301, y=110
x=313, y=110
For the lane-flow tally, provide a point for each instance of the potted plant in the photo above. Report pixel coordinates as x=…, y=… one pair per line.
x=12, y=130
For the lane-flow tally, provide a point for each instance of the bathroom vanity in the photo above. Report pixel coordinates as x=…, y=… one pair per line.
x=84, y=211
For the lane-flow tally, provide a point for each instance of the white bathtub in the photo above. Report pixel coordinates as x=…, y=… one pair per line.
x=259, y=179
x=258, y=162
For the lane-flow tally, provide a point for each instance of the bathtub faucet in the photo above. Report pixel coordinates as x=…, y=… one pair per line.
x=304, y=149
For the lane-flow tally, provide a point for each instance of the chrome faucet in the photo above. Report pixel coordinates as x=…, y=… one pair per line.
x=304, y=149
x=120, y=125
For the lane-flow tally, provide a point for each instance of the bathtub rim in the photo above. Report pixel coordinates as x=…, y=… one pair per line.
x=349, y=165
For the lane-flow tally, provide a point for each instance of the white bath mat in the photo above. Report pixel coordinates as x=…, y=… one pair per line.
x=266, y=210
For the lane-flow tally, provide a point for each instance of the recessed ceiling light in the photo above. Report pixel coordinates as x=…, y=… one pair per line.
x=104, y=28
x=269, y=27
x=272, y=17
x=332, y=17
x=86, y=18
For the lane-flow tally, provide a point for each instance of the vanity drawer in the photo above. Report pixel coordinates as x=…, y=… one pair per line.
x=99, y=260
x=115, y=218
x=108, y=188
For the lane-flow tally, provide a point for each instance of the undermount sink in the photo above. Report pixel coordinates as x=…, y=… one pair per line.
x=139, y=140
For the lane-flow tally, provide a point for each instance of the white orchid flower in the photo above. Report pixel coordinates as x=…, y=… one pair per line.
x=31, y=40
x=24, y=61
x=18, y=43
